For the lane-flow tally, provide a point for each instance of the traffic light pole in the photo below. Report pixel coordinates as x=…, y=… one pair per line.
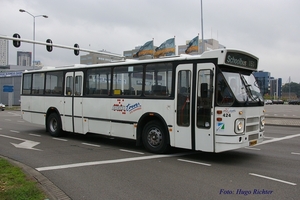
x=18, y=40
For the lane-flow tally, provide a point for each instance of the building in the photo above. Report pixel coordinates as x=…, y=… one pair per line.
x=93, y=58
x=129, y=53
x=275, y=88
x=263, y=81
x=23, y=58
x=4, y=52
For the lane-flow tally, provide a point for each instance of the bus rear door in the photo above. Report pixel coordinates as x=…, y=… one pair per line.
x=73, y=113
x=183, y=126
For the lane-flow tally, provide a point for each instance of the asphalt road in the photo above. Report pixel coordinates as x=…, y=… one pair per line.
x=282, y=111
x=93, y=167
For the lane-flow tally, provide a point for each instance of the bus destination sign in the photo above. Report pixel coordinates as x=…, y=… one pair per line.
x=241, y=60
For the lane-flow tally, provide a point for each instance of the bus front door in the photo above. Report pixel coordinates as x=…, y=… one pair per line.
x=204, y=135
x=73, y=108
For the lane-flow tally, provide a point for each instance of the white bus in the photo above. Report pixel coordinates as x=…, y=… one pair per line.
x=209, y=102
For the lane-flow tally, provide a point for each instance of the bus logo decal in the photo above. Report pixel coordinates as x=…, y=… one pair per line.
x=220, y=126
x=129, y=108
x=119, y=106
x=133, y=107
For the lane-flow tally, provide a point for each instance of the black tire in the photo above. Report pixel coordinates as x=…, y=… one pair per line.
x=54, y=125
x=155, y=138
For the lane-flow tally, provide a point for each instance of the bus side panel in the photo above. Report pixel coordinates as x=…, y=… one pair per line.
x=97, y=113
x=25, y=107
x=67, y=121
x=126, y=111
x=37, y=108
x=54, y=102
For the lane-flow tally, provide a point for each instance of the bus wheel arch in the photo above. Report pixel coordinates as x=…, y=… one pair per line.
x=53, y=122
x=153, y=133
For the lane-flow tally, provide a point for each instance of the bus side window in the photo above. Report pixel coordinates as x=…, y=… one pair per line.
x=69, y=86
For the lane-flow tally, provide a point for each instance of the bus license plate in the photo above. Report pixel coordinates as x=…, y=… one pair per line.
x=253, y=142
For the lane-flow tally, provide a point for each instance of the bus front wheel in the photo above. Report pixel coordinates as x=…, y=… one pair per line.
x=54, y=125
x=154, y=137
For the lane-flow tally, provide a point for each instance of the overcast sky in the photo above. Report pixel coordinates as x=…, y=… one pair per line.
x=268, y=29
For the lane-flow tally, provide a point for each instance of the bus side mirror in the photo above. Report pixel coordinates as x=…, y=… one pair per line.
x=204, y=90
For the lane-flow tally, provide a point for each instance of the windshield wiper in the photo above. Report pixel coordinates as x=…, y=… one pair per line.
x=248, y=90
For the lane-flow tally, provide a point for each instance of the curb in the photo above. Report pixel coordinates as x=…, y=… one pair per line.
x=52, y=191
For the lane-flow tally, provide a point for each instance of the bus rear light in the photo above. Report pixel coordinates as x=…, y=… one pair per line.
x=219, y=112
x=219, y=119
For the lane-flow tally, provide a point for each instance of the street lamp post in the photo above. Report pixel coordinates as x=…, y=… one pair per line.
x=34, y=16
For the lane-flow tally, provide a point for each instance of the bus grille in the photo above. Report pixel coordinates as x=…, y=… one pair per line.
x=252, y=124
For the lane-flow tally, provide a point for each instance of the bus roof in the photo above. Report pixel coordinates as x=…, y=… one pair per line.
x=232, y=57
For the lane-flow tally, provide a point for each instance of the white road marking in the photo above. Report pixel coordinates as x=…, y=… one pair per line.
x=35, y=135
x=279, y=139
x=26, y=144
x=13, y=131
x=108, y=162
x=93, y=145
x=136, y=152
x=295, y=153
x=59, y=139
x=269, y=137
x=198, y=163
x=14, y=114
x=0, y=129
x=273, y=179
x=252, y=148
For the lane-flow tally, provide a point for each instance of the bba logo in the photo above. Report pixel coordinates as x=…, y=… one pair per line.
x=130, y=108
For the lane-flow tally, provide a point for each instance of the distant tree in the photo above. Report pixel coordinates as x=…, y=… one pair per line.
x=295, y=88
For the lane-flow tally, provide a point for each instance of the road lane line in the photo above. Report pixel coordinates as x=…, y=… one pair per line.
x=107, y=162
x=198, y=163
x=136, y=152
x=93, y=145
x=269, y=137
x=273, y=179
x=279, y=139
x=59, y=139
x=13, y=131
x=35, y=135
x=295, y=153
x=252, y=148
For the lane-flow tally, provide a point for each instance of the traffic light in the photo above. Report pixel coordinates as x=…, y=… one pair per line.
x=49, y=47
x=16, y=43
x=76, y=51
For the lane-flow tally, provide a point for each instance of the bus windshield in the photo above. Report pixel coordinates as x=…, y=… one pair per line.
x=242, y=87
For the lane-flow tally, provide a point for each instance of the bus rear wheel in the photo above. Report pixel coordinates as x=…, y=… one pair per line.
x=54, y=125
x=154, y=137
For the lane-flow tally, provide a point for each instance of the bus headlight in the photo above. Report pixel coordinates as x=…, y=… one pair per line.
x=239, y=126
x=262, y=123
